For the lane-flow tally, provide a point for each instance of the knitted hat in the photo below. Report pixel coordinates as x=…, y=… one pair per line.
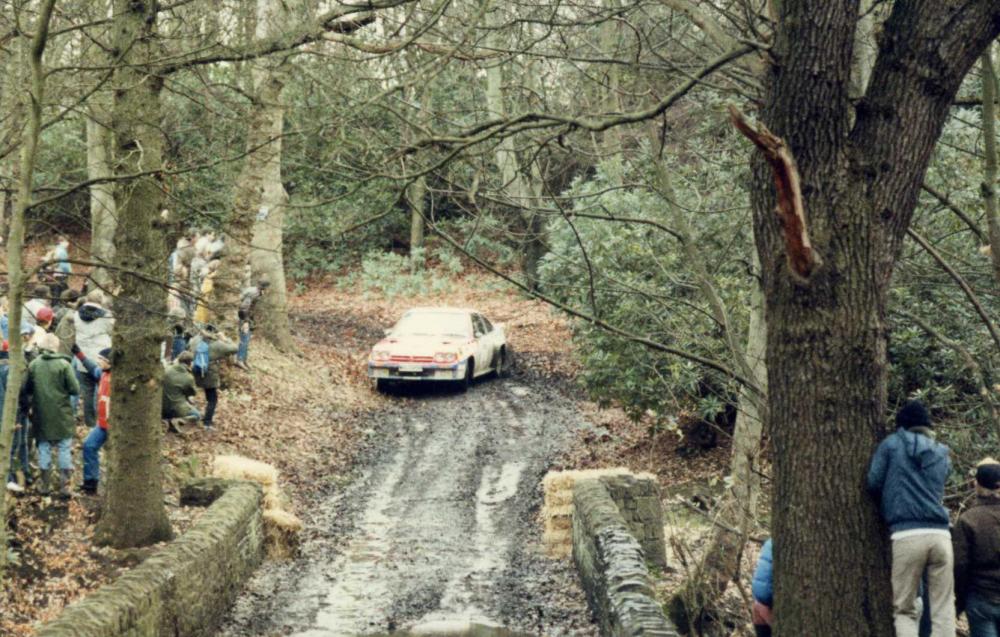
x=105, y=354
x=44, y=314
x=988, y=474
x=913, y=414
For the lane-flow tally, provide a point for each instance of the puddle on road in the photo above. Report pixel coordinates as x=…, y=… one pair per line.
x=457, y=628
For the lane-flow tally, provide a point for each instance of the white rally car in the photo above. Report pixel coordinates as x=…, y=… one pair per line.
x=439, y=343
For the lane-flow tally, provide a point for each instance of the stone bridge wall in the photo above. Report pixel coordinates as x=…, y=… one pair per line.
x=183, y=590
x=612, y=563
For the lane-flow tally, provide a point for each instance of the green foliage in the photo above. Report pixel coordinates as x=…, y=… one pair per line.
x=643, y=283
x=392, y=274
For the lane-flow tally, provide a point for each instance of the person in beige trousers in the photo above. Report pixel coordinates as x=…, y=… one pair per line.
x=907, y=474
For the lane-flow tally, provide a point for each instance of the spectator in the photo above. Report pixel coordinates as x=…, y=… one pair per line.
x=208, y=348
x=40, y=297
x=179, y=335
x=100, y=371
x=65, y=327
x=247, y=315
x=762, y=589
x=907, y=473
x=976, y=542
x=203, y=314
x=43, y=324
x=20, y=443
x=50, y=384
x=64, y=268
x=178, y=390
x=92, y=326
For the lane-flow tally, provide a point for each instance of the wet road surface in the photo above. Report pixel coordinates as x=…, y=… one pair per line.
x=436, y=531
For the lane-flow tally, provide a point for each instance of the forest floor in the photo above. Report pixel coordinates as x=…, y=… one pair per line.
x=310, y=413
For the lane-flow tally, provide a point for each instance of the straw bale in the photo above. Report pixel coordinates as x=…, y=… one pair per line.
x=557, y=507
x=281, y=534
x=240, y=468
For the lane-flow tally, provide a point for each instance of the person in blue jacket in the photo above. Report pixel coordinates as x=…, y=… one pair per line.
x=762, y=589
x=907, y=475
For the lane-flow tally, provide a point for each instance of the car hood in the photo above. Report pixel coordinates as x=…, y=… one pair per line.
x=420, y=345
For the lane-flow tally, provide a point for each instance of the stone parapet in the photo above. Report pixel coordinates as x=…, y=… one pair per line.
x=612, y=566
x=185, y=589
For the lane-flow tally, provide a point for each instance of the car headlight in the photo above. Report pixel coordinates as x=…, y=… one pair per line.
x=445, y=357
x=380, y=355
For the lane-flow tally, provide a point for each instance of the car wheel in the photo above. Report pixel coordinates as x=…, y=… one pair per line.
x=470, y=370
x=382, y=385
x=502, y=367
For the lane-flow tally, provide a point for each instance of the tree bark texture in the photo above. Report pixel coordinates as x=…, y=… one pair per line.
x=255, y=228
x=103, y=215
x=15, y=243
x=826, y=333
x=989, y=185
x=134, y=514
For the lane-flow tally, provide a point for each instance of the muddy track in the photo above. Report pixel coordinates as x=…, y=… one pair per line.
x=438, y=524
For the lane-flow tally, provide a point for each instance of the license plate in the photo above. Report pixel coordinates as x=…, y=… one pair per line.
x=406, y=369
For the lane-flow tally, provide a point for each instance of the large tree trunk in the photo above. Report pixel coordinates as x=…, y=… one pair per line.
x=103, y=217
x=256, y=226
x=826, y=305
x=134, y=514
x=15, y=244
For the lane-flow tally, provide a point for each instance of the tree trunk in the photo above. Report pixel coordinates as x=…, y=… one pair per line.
x=415, y=194
x=736, y=513
x=255, y=228
x=530, y=225
x=15, y=247
x=989, y=185
x=103, y=217
x=826, y=304
x=134, y=514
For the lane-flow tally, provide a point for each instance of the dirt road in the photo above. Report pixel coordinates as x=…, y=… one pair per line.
x=437, y=529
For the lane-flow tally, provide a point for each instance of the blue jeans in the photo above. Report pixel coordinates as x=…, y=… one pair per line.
x=244, y=350
x=64, y=448
x=91, y=454
x=984, y=617
x=19, y=453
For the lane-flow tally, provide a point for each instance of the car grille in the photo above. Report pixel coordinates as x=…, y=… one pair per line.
x=411, y=359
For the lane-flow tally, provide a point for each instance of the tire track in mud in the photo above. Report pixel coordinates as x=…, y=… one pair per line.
x=439, y=525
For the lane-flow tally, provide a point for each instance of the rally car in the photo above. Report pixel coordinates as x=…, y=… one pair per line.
x=439, y=344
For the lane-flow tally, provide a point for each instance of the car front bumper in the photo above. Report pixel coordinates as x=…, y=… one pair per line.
x=423, y=371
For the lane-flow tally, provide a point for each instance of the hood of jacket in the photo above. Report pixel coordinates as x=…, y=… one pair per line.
x=90, y=312
x=47, y=355
x=922, y=449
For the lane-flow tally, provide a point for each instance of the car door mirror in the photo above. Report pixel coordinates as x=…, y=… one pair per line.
x=387, y=331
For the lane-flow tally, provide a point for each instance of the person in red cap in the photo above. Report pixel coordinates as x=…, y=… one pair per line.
x=976, y=544
x=43, y=325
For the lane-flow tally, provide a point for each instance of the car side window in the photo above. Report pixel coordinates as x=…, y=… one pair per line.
x=486, y=324
x=477, y=323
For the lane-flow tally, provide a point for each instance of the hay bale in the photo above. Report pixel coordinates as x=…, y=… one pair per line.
x=281, y=534
x=557, y=506
x=240, y=468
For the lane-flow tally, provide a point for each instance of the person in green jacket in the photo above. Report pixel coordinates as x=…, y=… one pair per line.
x=52, y=385
x=207, y=374
x=178, y=389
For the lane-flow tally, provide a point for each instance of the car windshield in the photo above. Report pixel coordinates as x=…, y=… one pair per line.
x=433, y=324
